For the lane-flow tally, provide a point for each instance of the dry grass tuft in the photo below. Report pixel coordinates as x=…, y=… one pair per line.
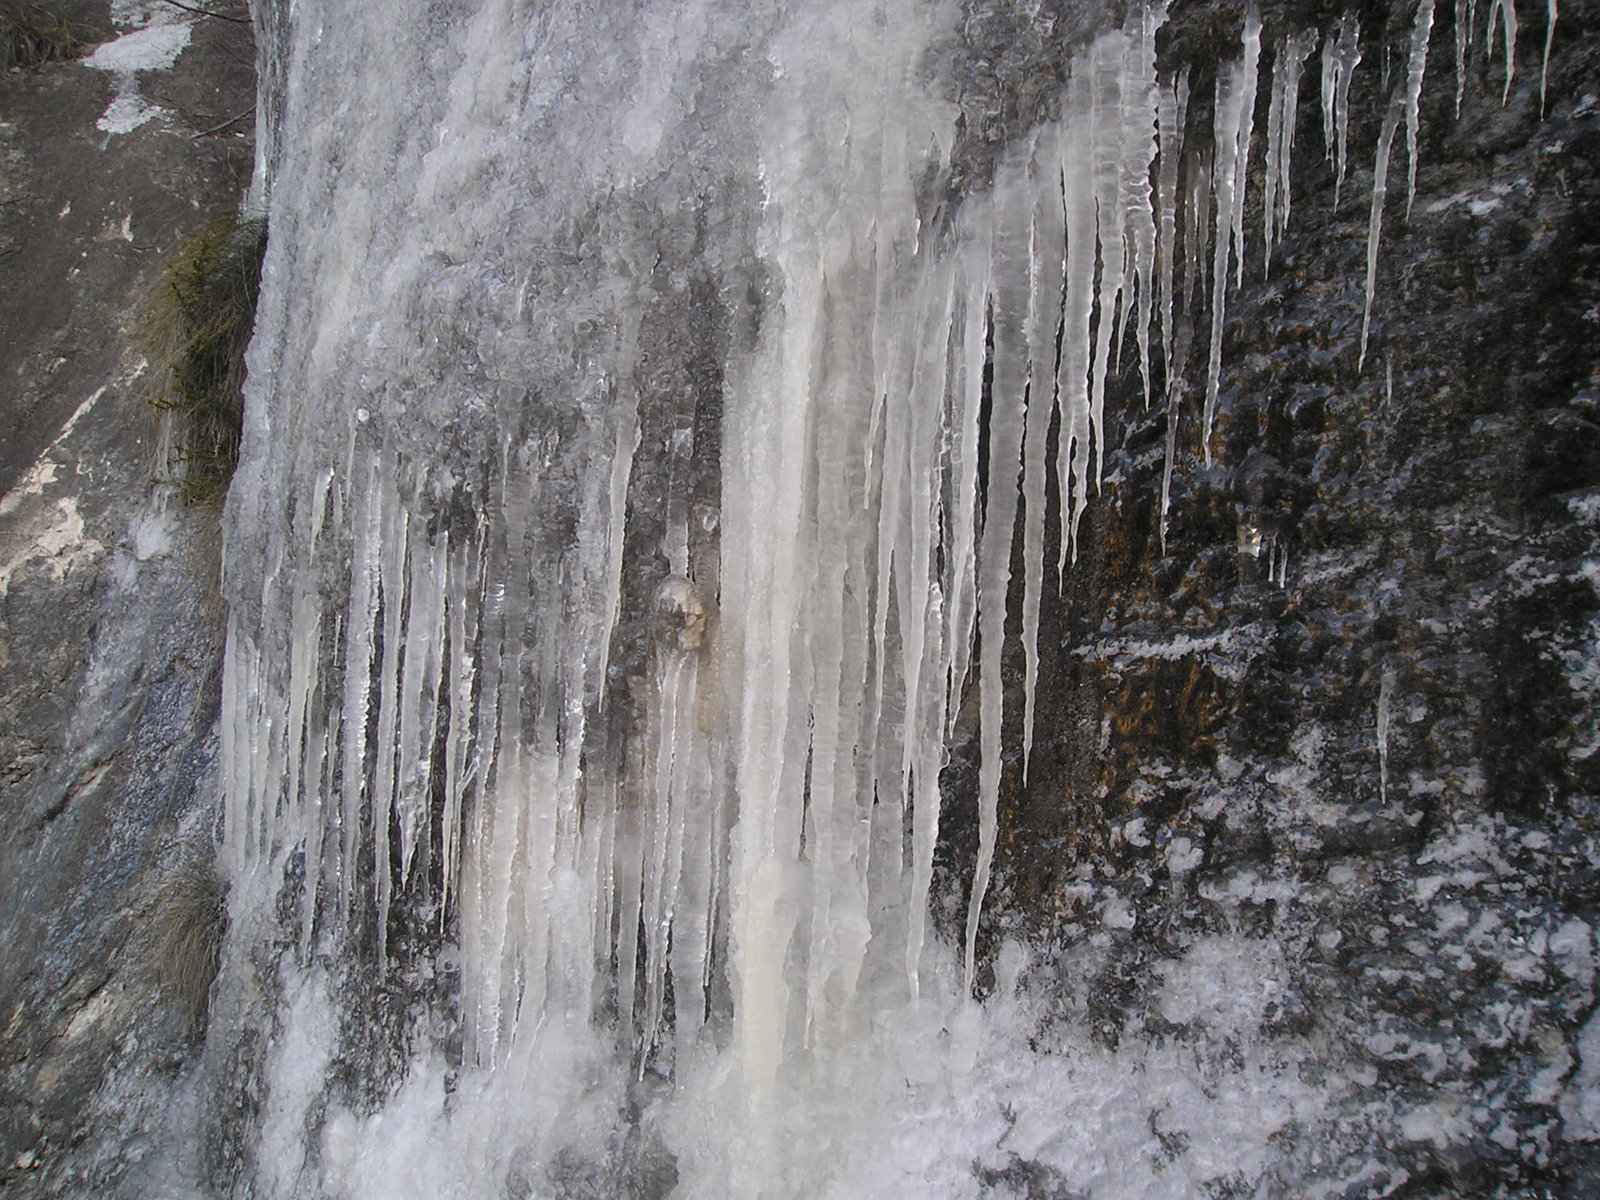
x=31, y=36
x=198, y=328
x=188, y=915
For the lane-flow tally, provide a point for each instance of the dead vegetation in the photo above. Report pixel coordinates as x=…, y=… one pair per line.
x=187, y=918
x=196, y=331
x=31, y=36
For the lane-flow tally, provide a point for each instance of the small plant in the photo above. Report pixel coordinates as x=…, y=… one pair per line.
x=188, y=915
x=199, y=328
x=31, y=36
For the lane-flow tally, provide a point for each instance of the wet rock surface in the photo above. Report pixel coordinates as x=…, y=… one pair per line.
x=1345, y=714
x=109, y=629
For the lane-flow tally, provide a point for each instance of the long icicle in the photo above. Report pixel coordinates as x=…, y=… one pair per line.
x=1174, y=102
x=1504, y=10
x=1549, y=40
x=1415, y=66
x=1013, y=218
x=1340, y=57
x=1231, y=131
x=1380, y=190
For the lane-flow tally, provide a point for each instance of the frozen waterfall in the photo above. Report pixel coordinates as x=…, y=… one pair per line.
x=640, y=427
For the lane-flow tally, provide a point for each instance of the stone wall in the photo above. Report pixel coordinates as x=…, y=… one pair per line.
x=109, y=625
x=1344, y=717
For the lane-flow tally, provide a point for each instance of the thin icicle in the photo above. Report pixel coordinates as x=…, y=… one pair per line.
x=1072, y=378
x=1173, y=106
x=1047, y=270
x=1385, y=724
x=1549, y=40
x=1272, y=179
x=927, y=649
x=1504, y=10
x=1415, y=66
x=362, y=615
x=1286, y=72
x=1380, y=189
x=1340, y=57
x=1105, y=73
x=1172, y=103
x=1236, y=88
x=966, y=467
x=1140, y=115
x=1008, y=309
x=392, y=580
x=1197, y=191
x=1250, y=65
x=1463, y=39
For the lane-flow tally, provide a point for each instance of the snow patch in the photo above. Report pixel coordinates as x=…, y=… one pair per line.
x=154, y=48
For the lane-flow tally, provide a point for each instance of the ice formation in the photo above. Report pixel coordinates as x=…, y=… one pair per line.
x=1235, y=109
x=1504, y=13
x=1549, y=40
x=1380, y=192
x=1340, y=57
x=711, y=859
x=1290, y=62
x=1465, y=10
x=1415, y=65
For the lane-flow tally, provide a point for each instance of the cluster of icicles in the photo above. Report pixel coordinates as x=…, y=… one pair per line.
x=775, y=819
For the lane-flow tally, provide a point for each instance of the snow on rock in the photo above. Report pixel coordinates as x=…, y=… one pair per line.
x=153, y=48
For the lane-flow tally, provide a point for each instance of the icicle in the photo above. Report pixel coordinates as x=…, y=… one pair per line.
x=1415, y=66
x=1272, y=179
x=1549, y=40
x=1072, y=378
x=1463, y=39
x=1231, y=131
x=1247, y=117
x=1505, y=10
x=1340, y=57
x=1173, y=105
x=1105, y=73
x=1047, y=272
x=1286, y=72
x=460, y=671
x=927, y=645
x=1140, y=118
x=419, y=694
x=392, y=579
x=1385, y=722
x=965, y=466
x=1197, y=190
x=1380, y=189
x=1008, y=316
x=361, y=617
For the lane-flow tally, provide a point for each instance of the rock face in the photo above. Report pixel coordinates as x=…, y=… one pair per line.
x=1328, y=738
x=1345, y=712
x=109, y=630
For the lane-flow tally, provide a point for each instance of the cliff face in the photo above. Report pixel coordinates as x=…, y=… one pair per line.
x=1345, y=712
x=109, y=635
x=1331, y=739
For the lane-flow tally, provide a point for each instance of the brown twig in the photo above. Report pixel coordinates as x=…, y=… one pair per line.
x=219, y=128
x=206, y=12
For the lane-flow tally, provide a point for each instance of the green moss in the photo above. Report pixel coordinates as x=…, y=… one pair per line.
x=199, y=328
x=31, y=36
